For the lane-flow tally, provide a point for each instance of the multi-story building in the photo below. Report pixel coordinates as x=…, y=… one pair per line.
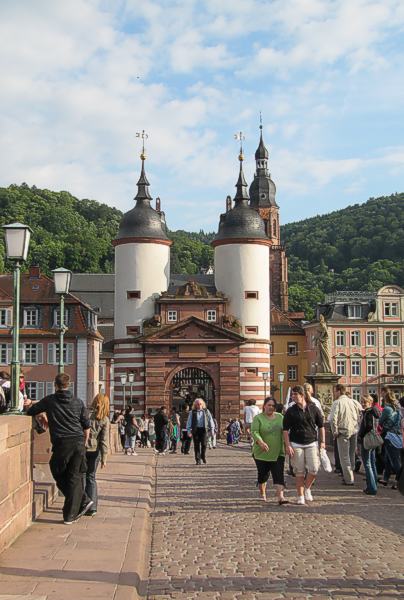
x=366, y=332
x=39, y=336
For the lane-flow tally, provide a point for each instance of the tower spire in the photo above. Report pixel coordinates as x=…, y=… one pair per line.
x=241, y=197
x=143, y=194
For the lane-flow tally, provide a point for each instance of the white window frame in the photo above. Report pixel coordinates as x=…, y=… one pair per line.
x=340, y=367
x=355, y=335
x=28, y=349
x=371, y=367
x=372, y=390
x=211, y=315
x=293, y=348
x=292, y=372
x=393, y=366
x=356, y=367
x=356, y=393
x=38, y=386
x=5, y=317
x=53, y=353
x=338, y=336
x=392, y=338
x=56, y=317
x=30, y=312
x=370, y=335
x=172, y=316
x=390, y=309
x=5, y=354
x=354, y=311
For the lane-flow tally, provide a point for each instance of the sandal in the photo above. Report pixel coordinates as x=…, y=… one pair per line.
x=382, y=482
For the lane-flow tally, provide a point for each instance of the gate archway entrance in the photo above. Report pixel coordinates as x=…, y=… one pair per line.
x=191, y=383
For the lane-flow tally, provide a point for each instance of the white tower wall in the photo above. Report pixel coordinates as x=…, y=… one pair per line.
x=143, y=267
x=241, y=268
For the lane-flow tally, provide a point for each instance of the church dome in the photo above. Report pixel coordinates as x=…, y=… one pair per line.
x=241, y=221
x=142, y=221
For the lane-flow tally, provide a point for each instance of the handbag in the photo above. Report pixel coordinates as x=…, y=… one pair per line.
x=325, y=461
x=372, y=439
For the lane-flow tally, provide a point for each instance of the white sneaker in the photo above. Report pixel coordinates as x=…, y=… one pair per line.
x=300, y=500
x=308, y=495
x=134, y=453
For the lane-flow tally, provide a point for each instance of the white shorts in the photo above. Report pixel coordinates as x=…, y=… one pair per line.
x=306, y=458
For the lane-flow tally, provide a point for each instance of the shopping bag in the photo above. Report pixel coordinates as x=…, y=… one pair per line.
x=325, y=461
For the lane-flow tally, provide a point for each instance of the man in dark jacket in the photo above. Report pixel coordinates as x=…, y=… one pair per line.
x=161, y=424
x=69, y=428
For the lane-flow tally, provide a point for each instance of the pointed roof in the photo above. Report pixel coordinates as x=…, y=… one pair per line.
x=261, y=152
x=142, y=221
x=241, y=221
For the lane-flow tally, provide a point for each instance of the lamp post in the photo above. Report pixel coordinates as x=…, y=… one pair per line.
x=123, y=383
x=62, y=278
x=281, y=379
x=265, y=376
x=131, y=379
x=17, y=237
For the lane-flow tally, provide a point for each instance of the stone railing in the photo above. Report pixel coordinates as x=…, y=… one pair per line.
x=15, y=477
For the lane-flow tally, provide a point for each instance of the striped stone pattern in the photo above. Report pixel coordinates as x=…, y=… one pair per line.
x=254, y=355
x=129, y=357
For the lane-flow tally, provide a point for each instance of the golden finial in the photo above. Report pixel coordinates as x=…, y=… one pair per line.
x=144, y=137
x=240, y=137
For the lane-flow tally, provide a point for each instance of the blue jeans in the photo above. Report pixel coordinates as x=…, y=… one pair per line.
x=369, y=462
x=93, y=460
x=393, y=460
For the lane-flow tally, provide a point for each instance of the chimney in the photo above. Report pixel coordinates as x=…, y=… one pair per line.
x=34, y=272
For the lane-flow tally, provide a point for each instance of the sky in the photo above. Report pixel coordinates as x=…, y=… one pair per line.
x=81, y=78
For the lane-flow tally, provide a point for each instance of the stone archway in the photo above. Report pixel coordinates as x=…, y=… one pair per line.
x=188, y=382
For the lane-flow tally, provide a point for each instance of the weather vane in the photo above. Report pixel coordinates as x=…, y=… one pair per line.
x=144, y=136
x=260, y=120
x=240, y=137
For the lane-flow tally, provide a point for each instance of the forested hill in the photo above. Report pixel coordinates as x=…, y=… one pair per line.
x=359, y=247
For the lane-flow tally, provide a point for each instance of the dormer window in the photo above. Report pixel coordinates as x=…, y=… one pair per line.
x=354, y=311
x=5, y=317
x=56, y=317
x=390, y=309
x=31, y=317
x=172, y=316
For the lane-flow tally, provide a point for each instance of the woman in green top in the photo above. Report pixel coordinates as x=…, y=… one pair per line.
x=268, y=449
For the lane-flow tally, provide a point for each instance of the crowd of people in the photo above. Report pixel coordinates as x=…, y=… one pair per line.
x=370, y=430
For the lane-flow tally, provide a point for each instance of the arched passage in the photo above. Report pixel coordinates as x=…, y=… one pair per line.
x=189, y=383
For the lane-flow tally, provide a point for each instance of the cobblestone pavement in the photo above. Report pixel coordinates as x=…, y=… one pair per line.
x=214, y=539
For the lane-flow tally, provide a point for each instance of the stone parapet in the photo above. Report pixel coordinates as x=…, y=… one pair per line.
x=16, y=477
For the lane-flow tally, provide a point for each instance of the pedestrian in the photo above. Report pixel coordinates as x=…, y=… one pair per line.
x=5, y=391
x=120, y=422
x=161, y=425
x=344, y=422
x=144, y=436
x=308, y=394
x=390, y=422
x=69, y=428
x=212, y=437
x=185, y=440
x=174, y=430
x=268, y=450
x=229, y=434
x=235, y=429
x=131, y=431
x=303, y=429
x=97, y=446
x=199, y=424
x=250, y=411
x=369, y=423
x=151, y=430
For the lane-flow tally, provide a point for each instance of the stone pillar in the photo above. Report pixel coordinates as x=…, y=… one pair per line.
x=323, y=384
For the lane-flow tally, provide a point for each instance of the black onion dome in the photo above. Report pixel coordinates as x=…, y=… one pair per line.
x=142, y=221
x=241, y=221
x=261, y=151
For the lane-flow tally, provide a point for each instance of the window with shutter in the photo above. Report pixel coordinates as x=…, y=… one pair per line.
x=51, y=354
x=50, y=388
x=40, y=390
x=70, y=354
x=3, y=354
x=39, y=354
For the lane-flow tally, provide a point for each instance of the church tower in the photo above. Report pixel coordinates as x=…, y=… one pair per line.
x=262, y=199
x=242, y=274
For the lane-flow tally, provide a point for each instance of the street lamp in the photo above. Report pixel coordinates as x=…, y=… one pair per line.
x=281, y=379
x=123, y=383
x=62, y=278
x=265, y=376
x=17, y=237
x=131, y=379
